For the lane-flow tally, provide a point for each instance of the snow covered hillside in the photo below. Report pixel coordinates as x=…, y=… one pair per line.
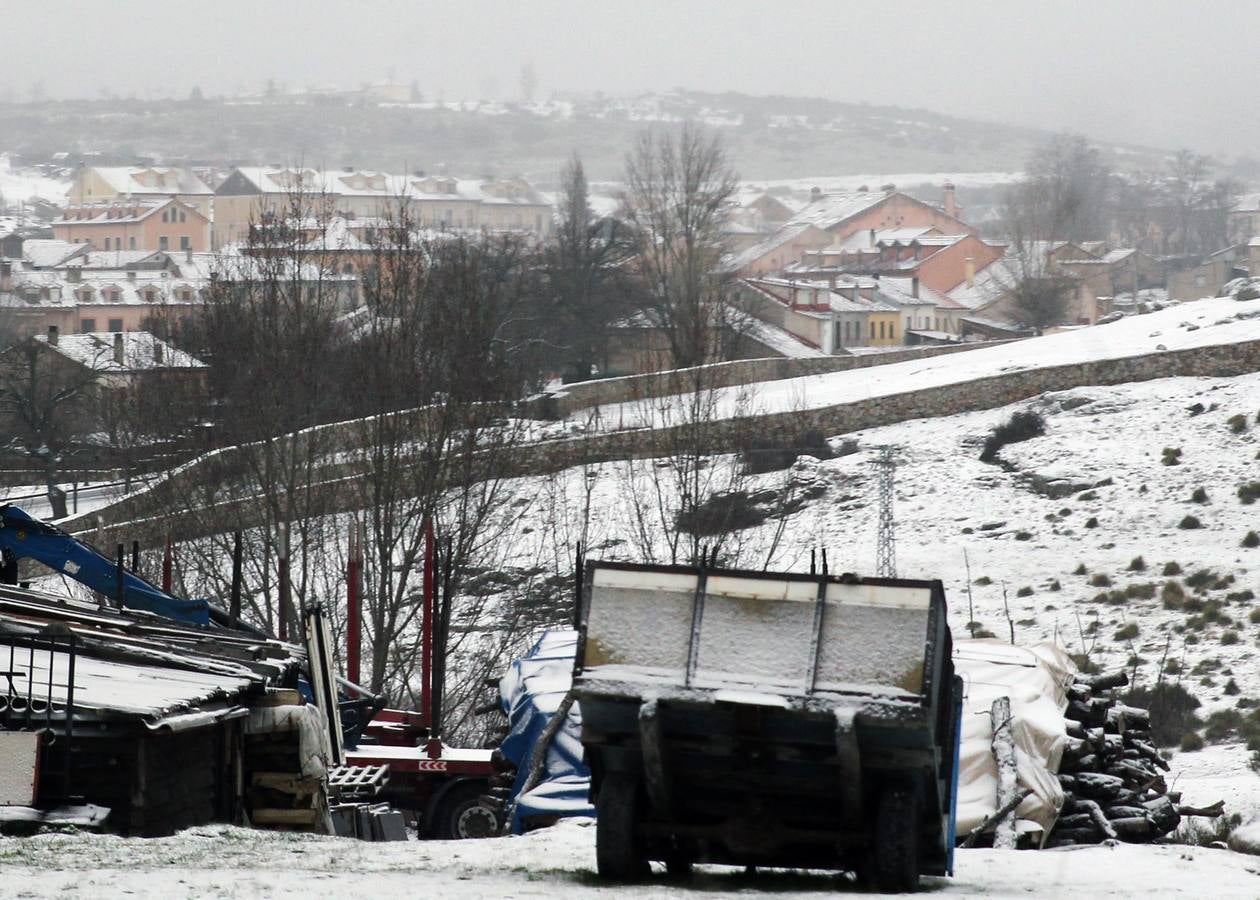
x=220, y=861
x=1201, y=323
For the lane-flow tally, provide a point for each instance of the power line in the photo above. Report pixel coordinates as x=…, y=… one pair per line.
x=886, y=545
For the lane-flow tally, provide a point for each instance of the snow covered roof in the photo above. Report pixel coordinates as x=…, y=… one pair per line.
x=141, y=352
x=832, y=209
x=45, y=253
x=119, y=213
x=137, y=665
x=769, y=244
x=141, y=180
x=387, y=186
x=780, y=340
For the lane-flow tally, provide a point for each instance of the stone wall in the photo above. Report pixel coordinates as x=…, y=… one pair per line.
x=588, y=394
x=341, y=488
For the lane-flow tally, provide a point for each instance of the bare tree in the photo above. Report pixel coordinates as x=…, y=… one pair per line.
x=48, y=402
x=677, y=189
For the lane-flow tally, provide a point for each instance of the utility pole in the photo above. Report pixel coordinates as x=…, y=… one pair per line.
x=886, y=546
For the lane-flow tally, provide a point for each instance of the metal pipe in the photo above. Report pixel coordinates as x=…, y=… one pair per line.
x=283, y=626
x=168, y=560
x=353, y=626
x=234, y=609
x=135, y=557
x=119, y=575
x=426, y=632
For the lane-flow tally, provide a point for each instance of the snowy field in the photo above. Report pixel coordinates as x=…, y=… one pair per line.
x=21, y=185
x=220, y=861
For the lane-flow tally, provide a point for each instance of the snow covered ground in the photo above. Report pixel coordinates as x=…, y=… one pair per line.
x=20, y=185
x=555, y=862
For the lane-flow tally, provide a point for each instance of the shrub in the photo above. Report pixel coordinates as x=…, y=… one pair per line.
x=1086, y=496
x=1191, y=741
x=1237, y=423
x=1080, y=569
x=1200, y=495
x=1100, y=579
x=1201, y=579
x=1171, y=568
x=722, y=513
x=1055, y=586
x=983, y=580
x=1172, y=710
x=1251, y=540
x=1249, y=492
x=1254, y=616
x=1022, y=426
x=1084, y=664
x=1126, y=632
x=1171, y=456
x=1241, y=596
x=1231, y=687
x=1091, y=522
x=1140, y=590
x=1023, y=536
x=1173, y=595
x=1137, y=564
x=1229, y=638
x=773, y=453
x=1024, y=592
x=1189, y=522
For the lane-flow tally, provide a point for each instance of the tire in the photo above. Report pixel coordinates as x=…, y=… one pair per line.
x=461, y=815
x=618, y=848
x=894, y=865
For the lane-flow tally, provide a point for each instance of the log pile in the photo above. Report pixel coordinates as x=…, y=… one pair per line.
x=1112, y=774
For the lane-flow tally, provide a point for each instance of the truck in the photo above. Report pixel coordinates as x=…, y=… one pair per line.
x=442, y=786
x=768, y=719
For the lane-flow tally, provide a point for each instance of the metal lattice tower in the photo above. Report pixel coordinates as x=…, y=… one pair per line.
x=886, y=546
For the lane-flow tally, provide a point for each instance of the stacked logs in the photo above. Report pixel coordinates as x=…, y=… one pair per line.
x=1113, y=776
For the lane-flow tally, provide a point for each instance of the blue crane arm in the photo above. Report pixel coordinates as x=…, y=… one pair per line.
x=26, y=538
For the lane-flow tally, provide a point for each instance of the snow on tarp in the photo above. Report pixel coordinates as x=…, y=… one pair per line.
x=531, y=691
x=1035, y=678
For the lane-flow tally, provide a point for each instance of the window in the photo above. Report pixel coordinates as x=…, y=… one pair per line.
x=185, y=243
x=183, y=216
x=881, y=331
x=164, y=216
x=86, y=325
x=106, y=243
x=131, y=243
x=115, y=325
x=164, y=243
x=347, y=269
x=872, y=331
x=908, y=325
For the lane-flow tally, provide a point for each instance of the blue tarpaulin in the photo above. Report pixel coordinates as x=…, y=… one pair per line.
x=531, y=691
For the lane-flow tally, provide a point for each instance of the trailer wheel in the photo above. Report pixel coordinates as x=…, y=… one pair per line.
x=895, y=863
x=618, y=850
x=462, y=815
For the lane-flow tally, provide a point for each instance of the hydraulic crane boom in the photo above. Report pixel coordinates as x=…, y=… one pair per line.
x=22, y=537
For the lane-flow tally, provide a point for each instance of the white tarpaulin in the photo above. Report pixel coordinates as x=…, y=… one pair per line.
x=1035, y=678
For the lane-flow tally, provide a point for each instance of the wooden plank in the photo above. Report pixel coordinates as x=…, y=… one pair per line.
x=286, y=782
x=284, y=816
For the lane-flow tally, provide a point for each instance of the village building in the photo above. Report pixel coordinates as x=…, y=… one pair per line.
x=169, y=224
x=124, y=184
x=258, y=195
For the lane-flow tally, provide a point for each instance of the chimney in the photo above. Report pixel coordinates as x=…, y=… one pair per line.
x=950, y=200
x=188, y=254
x=969, y=267
x=872, y=237
x=120, y=355
x=914, y=287
x=157, y=352
x=6, y=276
x=53, y=333
x=74, y=274
x=815, y=194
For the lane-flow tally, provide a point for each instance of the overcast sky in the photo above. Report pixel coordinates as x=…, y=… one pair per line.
x=1149, y=71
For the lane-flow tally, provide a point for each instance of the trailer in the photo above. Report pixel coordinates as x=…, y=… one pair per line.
x=768, y=719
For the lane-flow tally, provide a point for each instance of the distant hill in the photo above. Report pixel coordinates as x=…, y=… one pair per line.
x=770, y=137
